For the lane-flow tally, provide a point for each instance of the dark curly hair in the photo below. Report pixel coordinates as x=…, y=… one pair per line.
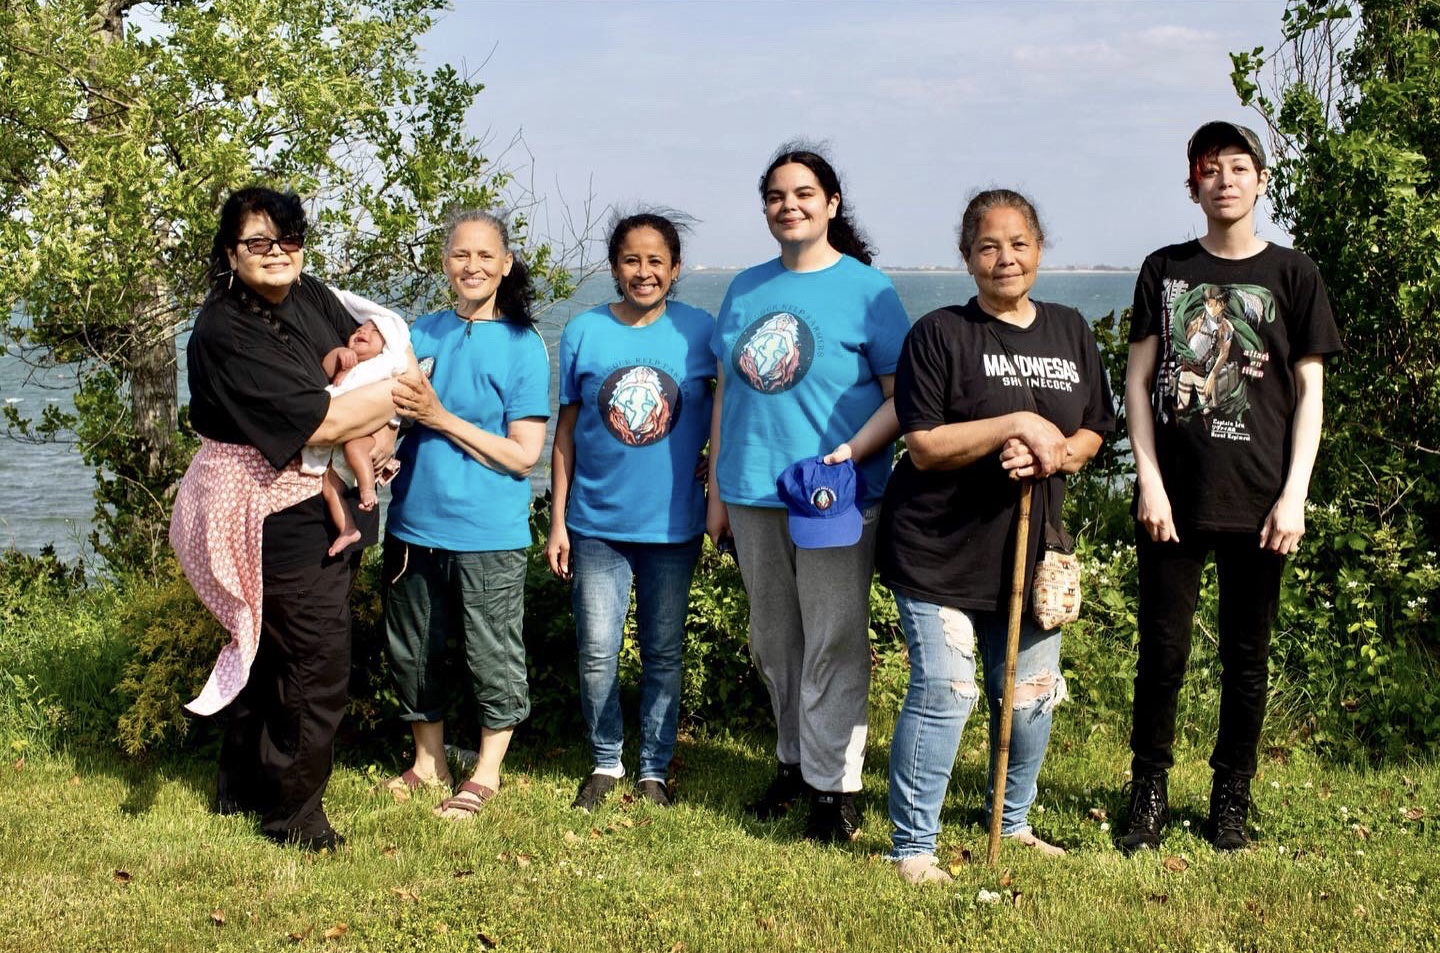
x=667, y=222
x=843, y=234
x=286, y=213
x=284, y=209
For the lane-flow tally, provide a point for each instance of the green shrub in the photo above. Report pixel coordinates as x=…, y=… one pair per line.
x=1358, y=629
x=60, y=657
x=176, y=641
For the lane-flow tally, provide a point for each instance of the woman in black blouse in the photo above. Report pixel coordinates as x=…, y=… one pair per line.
x=258, y=396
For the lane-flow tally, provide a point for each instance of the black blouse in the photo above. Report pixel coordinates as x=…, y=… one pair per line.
x=251, y=384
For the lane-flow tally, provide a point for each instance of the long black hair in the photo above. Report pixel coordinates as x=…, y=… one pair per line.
x=515, y=298
x=843, y=234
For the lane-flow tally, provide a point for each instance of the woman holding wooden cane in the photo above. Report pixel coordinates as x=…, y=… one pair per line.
x=999, y=390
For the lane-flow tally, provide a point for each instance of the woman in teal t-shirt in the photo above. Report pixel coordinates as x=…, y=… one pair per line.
x=627, y=505
x=458, y=524
x=807, y=346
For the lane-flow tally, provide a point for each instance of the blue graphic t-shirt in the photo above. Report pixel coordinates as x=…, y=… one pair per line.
x=645, y=399
x=802, y=354
x=488, y=373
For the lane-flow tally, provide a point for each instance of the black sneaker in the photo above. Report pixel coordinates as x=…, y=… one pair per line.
x=1229, y=809
x=1149, y=813
x=787, y=787
x=314, y=843
x=655, y=792
x=834, y=818
x=592, y=791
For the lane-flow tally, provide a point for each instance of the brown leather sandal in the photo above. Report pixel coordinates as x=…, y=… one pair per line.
x=480, y=794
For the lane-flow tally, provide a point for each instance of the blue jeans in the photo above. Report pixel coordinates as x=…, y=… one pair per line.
x=602, y=574
x=942, y=641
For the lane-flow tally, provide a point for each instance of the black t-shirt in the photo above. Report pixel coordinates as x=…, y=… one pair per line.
x=251, y=385
x=1231, y=332
x=947, y=536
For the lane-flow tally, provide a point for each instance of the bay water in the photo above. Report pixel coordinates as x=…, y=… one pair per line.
x=46, y=489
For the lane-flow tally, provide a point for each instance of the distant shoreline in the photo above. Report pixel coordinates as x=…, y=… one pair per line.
x=946, y=270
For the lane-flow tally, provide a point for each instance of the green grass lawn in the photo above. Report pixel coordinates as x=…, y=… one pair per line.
x=100, y=854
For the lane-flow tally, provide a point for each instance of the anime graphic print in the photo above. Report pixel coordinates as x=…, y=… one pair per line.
x=773, y=354
x=639, y=404
x=1213, y=348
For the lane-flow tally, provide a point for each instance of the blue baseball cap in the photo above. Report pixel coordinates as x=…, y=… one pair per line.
x=821, y=499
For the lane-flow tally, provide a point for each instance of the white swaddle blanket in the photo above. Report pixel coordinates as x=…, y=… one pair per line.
x=390, y=362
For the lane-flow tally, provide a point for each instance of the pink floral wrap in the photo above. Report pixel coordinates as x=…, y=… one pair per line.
x=217, y=529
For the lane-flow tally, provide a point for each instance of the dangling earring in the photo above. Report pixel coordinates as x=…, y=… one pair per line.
x=231, y=283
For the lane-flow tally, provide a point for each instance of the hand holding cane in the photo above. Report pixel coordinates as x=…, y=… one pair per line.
x=1001, y=754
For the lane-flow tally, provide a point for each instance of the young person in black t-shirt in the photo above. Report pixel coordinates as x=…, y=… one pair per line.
x=1227, y=339
x=999, y=390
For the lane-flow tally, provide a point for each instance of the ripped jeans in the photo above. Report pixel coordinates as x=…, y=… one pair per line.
x=942, y=643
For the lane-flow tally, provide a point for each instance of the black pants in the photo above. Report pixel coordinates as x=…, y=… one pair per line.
x=1249, y=580
x=279, y=733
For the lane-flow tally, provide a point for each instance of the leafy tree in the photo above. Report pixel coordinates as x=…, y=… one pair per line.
x=117, y=147
x=1352, y=101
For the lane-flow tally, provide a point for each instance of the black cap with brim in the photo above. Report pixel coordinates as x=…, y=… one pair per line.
x=1219, y=134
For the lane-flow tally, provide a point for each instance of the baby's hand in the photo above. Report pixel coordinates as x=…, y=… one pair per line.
x=348, y=358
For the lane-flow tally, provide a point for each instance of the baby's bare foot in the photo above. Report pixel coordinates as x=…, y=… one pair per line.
x=344, y=541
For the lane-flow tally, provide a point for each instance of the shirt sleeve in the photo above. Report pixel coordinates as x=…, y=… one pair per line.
x=887, y=325
x=723, y=318
x=922, y=373
x=1315, y=329
x=1100, y=404
x=529, y=390
x=569, y=347
x=1145, y=312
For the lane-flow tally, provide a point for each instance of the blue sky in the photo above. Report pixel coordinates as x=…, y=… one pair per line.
x=1085, y=106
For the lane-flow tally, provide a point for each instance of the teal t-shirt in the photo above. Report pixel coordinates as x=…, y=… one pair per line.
x=802, y=354
x=488, y=373
x=645, y=399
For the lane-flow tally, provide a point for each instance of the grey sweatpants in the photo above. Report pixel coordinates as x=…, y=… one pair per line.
x=809, y=622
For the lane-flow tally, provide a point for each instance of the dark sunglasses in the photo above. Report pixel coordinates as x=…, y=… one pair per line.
x=262, y=246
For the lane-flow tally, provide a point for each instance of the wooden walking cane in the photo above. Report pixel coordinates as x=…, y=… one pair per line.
x=1001, y=754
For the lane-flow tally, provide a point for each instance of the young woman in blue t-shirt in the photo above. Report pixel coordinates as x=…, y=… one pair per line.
x=627, y=503
x=807, y=346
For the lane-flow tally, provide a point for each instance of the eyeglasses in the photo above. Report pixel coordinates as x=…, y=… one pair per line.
x=261, y=246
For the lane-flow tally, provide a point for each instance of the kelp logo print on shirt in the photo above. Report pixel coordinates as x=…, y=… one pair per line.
x=773, y=354
x=639, y=404
x=1214, y=331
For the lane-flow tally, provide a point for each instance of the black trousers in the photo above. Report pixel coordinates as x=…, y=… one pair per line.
x=278, y=744
x=1249, y=581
